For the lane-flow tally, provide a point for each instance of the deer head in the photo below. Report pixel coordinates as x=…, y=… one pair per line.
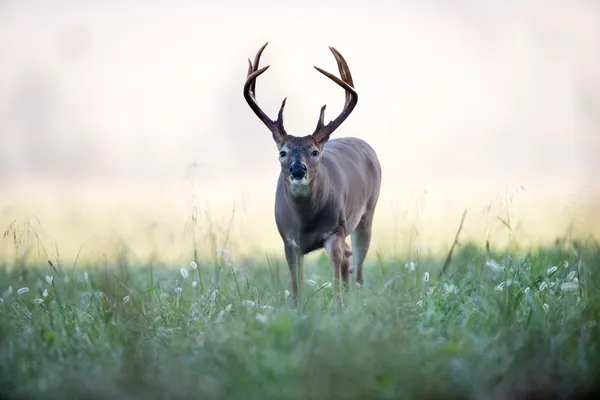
x=300, y=156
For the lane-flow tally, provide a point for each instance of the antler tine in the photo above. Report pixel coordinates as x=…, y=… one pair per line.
x=276, y=127
x=320, y=123
x=323, y=131
x=255, y=66
x=250, y=68
x=342, y=66
x=344, y=70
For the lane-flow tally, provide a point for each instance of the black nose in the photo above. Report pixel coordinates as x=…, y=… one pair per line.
x=298, y=170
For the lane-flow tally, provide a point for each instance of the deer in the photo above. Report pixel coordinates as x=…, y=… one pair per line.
x=327, y=189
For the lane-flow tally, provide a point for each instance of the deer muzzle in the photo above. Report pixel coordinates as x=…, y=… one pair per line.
x=298, y=170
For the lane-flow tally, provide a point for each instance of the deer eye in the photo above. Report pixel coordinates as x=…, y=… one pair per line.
x=282, y=154
x=315, y=153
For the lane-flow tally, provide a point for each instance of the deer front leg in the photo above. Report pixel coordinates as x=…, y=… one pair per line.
x=334, y=245
x=295, y=260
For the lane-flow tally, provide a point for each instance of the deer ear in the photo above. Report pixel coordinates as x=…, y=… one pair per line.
x=320, y=140
x=279, y=140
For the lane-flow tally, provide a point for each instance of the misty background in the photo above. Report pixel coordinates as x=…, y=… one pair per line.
x=123, y=122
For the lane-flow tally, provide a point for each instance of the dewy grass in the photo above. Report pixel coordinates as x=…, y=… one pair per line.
x=494, y=326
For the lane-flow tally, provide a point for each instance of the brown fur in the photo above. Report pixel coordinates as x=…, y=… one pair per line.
x=338, y=195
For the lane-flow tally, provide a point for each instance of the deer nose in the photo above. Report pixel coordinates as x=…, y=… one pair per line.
x=298, y=170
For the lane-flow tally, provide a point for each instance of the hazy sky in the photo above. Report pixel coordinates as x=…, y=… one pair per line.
x=451, y=94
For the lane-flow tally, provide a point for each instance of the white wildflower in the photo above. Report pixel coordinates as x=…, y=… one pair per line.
x=326, y=285
x=267, y=307
x=543, y=286
x=38, y=301
x=546, y=307
x=311, y=282
x=358, y=285
x=500, y=286
x=526, y=290
x=45, y=293
x=450, y=288
x=49, y=279
x=572, y=276
x=426, y=277
x=248, y=303
x=178, y=290
x=184, y=273
x=494, y=266
x=420, y=303
x=569, y=286
x=126, y=299
x=85, y=276
x=195, y=283
x=551, y=270
x=262, y=318
x=194, y=265
x=286, y=293
x=213, y=295
x=411, y=266
x=22, y=290
x=229, y=307
x=566, y=264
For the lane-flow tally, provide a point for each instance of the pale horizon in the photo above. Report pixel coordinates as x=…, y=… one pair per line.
x=104, y=108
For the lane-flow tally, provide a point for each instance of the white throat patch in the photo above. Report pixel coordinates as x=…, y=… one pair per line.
x=299, y=187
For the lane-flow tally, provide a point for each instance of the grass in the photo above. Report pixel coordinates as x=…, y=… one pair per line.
x=495, y=326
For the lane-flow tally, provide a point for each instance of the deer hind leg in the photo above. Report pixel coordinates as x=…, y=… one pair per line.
x=295, y=260
x=334, y=245
x=346, y=268
x=361, y=240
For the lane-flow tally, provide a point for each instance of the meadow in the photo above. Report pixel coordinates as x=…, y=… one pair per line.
x=510, y=324
x=139, y=256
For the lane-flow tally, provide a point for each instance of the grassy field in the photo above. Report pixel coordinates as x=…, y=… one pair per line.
x=506, y=325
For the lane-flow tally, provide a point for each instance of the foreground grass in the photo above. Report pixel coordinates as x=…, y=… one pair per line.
x=498, y=326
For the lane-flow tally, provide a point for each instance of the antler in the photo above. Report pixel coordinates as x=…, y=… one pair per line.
x=276, y=127
x=323, y=131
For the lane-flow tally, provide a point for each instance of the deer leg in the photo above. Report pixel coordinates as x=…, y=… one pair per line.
x=361, y=240
x=335, y=249
x=346, y=270
x=348, y=254
x=295, y=260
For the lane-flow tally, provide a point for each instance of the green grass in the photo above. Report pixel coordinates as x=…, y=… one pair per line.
x=480, y=332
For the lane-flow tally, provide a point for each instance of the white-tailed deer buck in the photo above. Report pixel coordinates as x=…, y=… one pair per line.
x=327, y=189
